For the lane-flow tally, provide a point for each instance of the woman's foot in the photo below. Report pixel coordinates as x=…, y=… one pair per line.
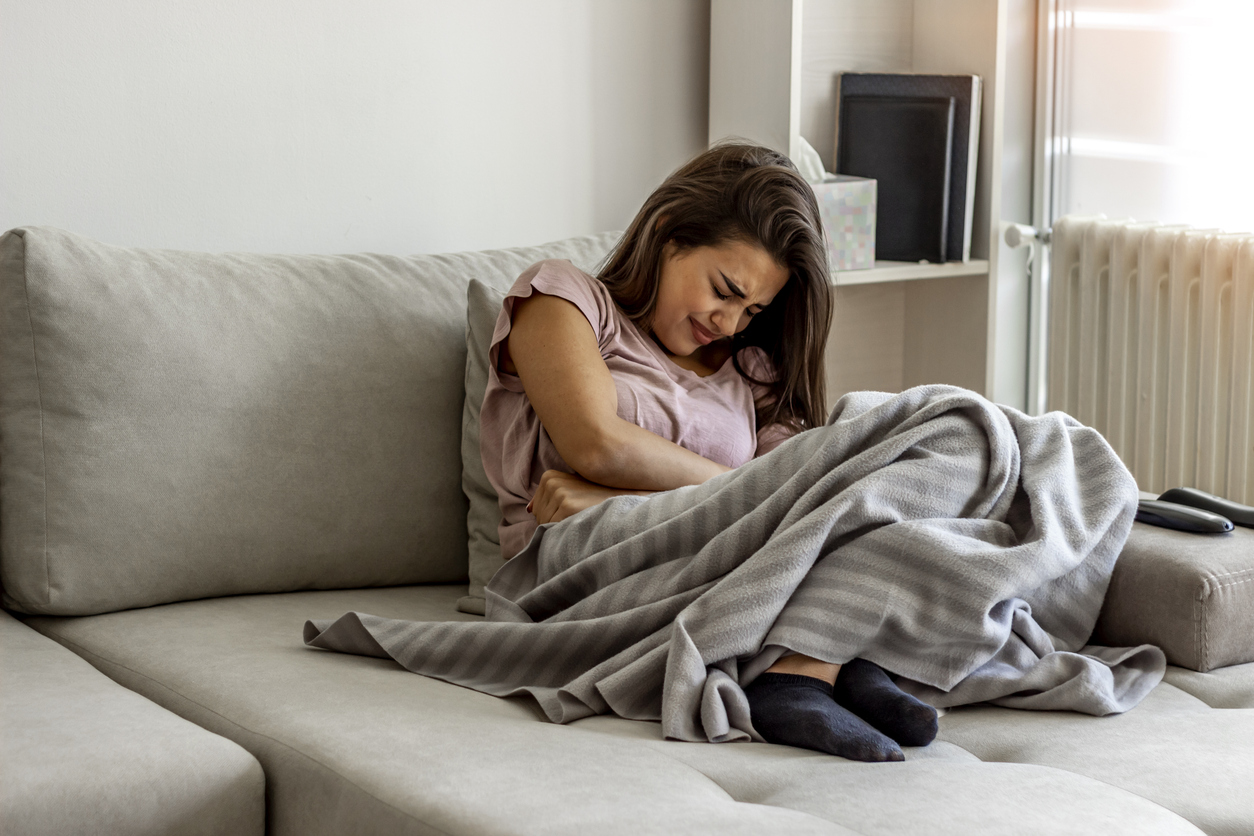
x=799, y=711
x=869, y=692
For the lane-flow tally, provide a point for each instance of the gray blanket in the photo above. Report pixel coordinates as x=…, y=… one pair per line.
x=962, y=546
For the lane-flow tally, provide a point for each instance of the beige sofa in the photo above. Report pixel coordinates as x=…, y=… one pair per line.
x=200, y=452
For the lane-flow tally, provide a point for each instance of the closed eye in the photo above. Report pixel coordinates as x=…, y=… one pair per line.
x=723, y=297
x=734, y=289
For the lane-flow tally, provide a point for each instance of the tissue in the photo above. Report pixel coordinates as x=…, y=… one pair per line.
x=810, y=164
x=847, y=207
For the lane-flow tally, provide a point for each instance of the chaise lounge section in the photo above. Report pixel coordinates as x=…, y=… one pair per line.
x=82, y=754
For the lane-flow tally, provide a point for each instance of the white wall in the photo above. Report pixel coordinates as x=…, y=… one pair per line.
x=396, y=126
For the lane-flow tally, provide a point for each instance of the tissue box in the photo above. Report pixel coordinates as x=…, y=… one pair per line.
x=847, y=206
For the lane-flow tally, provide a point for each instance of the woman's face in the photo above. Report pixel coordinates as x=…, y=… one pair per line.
x=710, y=293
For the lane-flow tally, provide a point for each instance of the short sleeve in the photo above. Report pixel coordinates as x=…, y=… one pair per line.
x=564, y=280
x=759, y=367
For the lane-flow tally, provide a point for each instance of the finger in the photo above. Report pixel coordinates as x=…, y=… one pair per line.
x=543, y=489
x=557, y=502
x=545, y=506
x=562, y=511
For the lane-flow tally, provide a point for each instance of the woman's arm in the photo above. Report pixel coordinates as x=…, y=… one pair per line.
x=553, y=350
x=560, y=495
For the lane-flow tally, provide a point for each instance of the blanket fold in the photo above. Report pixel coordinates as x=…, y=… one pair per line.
x=964, y=547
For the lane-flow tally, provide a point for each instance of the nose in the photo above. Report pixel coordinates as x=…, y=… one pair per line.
x=724, y=322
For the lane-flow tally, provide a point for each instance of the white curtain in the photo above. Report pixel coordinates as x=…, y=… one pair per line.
x=1154, y=111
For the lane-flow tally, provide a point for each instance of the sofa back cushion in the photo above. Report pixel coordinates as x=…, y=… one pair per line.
x=179, y=425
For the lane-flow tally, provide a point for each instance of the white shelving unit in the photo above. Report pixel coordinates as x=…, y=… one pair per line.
x=773, y=69
x=904, y=271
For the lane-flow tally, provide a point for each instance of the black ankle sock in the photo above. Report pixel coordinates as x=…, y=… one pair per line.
x=865, y=689
x=799, y=711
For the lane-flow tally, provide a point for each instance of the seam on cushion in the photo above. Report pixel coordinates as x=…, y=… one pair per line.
x=89, y=656
x=735, y=800
x=1210, y=586
x=660, y=750
x=1199, y=629
x=39, y=398
x=1103, y=782
x=1215, y=579
x=1249, y=572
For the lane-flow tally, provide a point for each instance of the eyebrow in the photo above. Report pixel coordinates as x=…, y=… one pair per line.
x=735, y=289
x=732, y=286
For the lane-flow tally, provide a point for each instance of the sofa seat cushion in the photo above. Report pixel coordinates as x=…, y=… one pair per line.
x=940, y=789
x=1231, y=687
x=355, y=744
x=1173, y=748
x=82, y=754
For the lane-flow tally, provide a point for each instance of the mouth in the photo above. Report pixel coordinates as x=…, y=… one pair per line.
x=702, y=336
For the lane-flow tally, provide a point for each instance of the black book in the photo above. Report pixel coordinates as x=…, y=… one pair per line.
x=965, y=91
x=905, y=143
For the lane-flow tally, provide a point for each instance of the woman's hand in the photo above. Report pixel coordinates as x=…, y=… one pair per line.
x=561, y=495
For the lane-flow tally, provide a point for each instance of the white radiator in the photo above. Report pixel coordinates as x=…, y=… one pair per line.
x=1151, y=341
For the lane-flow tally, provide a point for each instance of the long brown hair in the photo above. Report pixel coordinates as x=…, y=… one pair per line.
x=741, y=192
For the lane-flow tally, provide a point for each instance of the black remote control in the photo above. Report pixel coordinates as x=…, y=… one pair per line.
x=1181, y=517
x=1235, y=511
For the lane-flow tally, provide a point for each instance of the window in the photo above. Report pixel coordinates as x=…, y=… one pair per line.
x=1154, y=111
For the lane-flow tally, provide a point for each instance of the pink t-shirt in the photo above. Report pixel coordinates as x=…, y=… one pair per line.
x=712, y=416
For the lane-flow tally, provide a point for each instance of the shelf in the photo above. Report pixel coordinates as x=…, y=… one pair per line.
x=899, y=271
x=774, y=67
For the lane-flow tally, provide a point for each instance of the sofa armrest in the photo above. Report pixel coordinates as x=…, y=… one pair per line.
x=1190, y=594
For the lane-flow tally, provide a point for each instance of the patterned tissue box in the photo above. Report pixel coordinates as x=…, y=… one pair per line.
x=847, y=205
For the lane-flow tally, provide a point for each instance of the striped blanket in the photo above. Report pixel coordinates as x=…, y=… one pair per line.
x=962, y=546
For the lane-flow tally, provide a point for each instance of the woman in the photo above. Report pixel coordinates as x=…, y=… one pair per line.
x=965, y=546
x=698, y=347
